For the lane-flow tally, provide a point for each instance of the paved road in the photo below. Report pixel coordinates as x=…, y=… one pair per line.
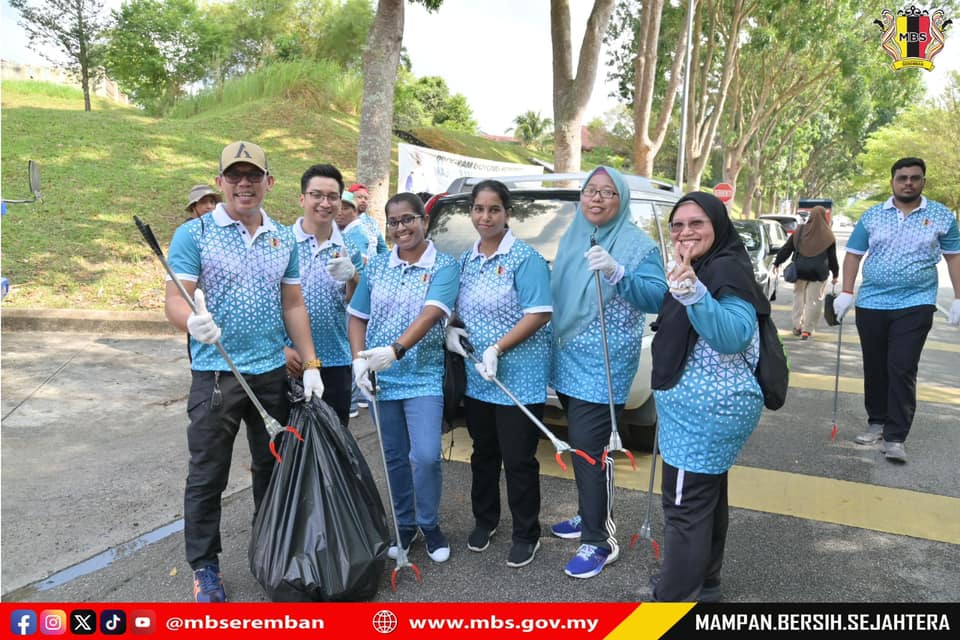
x=94, y=456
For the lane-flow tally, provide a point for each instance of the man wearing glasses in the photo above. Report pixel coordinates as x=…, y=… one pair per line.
x=246, y=266
x=903, y=239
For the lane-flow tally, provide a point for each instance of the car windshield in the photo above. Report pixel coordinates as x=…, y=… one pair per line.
x=539, y=219
x=749, y=233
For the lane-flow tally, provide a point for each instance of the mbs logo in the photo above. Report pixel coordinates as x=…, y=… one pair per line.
x=913, y=36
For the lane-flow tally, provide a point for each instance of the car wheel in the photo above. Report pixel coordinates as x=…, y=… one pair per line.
x=638, y=433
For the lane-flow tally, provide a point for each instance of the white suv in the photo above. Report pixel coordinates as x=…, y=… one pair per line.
x=543, y=207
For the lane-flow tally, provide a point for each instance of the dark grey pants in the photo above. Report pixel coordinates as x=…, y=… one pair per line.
x=891, y=342
x=695, y=517
x=589, y=429
x=210, y=438
x=504, y=436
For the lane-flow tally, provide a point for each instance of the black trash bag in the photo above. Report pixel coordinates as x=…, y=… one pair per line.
x=321, y=534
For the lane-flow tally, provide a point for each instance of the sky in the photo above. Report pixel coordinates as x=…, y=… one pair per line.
x=498, y=55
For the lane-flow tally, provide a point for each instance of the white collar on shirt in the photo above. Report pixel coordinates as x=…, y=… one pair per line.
x=356, y=223
x=889, y=204
x=506, y=243
x=336, y=238
x=223, y=219
x=426, y=261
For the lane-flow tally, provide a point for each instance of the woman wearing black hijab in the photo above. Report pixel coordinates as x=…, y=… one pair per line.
x=705, y=352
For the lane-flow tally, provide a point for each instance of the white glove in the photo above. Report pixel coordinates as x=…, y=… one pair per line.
x=312, y=384
x=361, y=378
x=599, y=260
x=379, y=358
x=341, y=269
x=842, y=304
x=452, y=337
x=200, y=324
x=488, y=368
x=954, y=317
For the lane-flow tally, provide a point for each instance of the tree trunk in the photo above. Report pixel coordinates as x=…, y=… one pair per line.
x=572, y=93
x=381, y=59
x=647, y=143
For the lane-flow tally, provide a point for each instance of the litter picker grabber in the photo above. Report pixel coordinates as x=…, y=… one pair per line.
x=645, y=527
x=402, y=560
x=558, y=444
x=272, y=426
x=615, y=443
x=836, y=382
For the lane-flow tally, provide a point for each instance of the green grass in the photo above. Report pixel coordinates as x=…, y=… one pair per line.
x=80, y=249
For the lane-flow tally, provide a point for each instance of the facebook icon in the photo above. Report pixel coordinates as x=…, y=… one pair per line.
x=23, y=622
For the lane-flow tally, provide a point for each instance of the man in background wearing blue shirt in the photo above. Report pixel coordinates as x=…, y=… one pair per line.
x=903, y=239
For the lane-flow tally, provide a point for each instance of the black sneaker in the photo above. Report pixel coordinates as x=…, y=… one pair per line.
x=408, y=535
x=522, y=553
x=709, y=592
x=479, y=539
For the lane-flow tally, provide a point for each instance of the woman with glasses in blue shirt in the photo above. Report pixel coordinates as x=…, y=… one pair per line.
x=395, y=331
x=633, y=284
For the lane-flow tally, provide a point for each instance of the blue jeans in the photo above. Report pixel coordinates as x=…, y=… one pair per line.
x=410, y=430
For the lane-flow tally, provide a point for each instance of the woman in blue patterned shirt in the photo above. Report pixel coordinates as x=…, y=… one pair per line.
x=395, y=330
x=505, y=302
x=632, y=284
x=705, y=352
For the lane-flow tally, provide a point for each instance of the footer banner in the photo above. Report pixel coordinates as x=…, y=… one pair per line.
x=424, y=621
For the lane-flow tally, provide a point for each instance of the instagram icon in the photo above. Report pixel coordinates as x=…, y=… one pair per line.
x=53, y=622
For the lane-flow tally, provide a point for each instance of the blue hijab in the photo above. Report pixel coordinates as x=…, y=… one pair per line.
x=573, y=285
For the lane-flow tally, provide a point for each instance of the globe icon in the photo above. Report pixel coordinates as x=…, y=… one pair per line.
x=385, y=621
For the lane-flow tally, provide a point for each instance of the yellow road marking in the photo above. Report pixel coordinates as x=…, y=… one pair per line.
x=925, y=392
x=934, y=345
x=852, y=504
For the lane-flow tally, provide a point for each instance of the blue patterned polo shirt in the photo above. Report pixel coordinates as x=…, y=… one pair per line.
x=390, y=296
x=241, y=277
x=324, y=296
x=495, y=293
x=902, y=252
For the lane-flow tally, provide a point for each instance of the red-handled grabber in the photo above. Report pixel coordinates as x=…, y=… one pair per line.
x=273, y=427
x=558, y=444
x=615, y=443
x=402, y=560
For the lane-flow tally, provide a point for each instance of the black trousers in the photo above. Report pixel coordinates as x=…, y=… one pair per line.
x=891, y=342
x=503, y=435
x=337, y=387
x=695, y=516
x=589, y=429
x=210, y=438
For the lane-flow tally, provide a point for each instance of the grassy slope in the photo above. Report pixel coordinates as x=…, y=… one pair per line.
x=80, y=249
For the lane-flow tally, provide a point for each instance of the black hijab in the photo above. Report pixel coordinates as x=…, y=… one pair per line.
x=725, y=268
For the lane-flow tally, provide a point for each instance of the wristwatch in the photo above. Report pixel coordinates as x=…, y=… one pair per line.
x=399, y=349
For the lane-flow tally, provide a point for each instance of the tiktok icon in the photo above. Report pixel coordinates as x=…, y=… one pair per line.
x=113, y=622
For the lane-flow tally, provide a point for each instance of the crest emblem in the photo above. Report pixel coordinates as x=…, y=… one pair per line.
x=913, y=36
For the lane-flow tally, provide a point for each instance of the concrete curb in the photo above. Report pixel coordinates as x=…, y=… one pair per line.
x=87, y=321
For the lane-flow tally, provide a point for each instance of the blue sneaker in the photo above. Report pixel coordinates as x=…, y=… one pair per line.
x=438, y=547
x=569, y=529
x=588, y=562
x=208, y=585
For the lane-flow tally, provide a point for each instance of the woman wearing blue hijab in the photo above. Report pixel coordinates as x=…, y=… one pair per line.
x=633, y=284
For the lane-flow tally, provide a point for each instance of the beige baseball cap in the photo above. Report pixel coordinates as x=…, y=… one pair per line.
x=241, y=151
x=198, y=192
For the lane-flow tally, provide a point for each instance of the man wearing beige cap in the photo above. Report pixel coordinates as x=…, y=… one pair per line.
x=201, y=200
x=243, y=270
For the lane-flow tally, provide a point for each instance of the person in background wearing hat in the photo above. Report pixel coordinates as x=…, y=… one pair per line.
x=362, y=196
x=246, y=266
x=202, y=199
x=329, y=273
x=359, y=238
x=354, y=231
